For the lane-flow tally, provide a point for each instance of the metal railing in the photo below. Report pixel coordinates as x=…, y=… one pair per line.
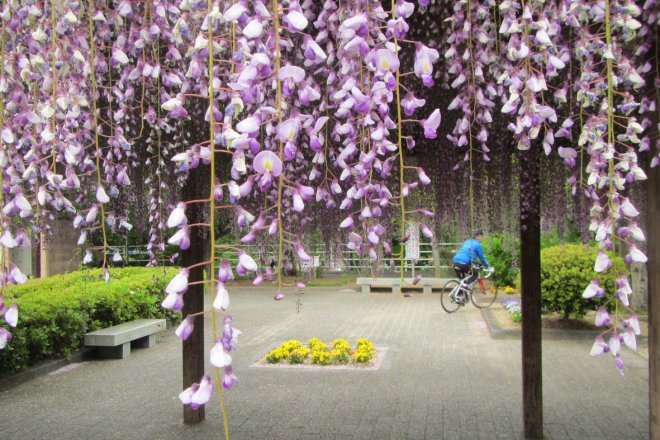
x=343, y=259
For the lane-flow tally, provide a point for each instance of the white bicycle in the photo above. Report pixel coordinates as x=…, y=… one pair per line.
x=457, y=293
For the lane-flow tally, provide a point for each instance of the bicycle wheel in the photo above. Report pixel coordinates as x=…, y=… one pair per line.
x=446, y=300
x=484, y=293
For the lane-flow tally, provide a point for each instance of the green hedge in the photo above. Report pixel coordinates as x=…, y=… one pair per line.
x=503, y=253
x=567, y=270
x=55, y=313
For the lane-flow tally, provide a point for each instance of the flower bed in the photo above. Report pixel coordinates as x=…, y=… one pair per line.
x=317, y=352
x=512, y=306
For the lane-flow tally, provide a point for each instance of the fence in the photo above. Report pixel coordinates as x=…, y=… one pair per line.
x=339, y=261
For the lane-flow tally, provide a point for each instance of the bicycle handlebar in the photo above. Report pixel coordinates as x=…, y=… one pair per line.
x=488, y=272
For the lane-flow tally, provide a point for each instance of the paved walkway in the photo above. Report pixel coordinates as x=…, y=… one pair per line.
x=443, y=378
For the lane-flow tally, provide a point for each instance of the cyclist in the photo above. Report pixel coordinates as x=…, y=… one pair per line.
x=470, y=253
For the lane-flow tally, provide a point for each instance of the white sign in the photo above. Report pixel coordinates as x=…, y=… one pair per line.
x=412, y=245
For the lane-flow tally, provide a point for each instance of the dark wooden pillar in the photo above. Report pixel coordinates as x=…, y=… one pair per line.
x=196, y=187
x=653, y=253
x=530, y=259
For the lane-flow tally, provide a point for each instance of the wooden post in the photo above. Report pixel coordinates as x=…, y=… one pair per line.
x=530, y=258
x=196, y=188
x=653, y=211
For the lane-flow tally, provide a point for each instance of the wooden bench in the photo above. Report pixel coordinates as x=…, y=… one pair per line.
x=426, y=284
x=115, y=342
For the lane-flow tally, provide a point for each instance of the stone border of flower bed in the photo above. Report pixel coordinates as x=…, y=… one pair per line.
x=497, y=332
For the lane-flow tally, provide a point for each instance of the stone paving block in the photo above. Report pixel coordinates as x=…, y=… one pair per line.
x=439, y=380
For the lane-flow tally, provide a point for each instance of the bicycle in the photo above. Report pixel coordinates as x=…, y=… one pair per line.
x=457, y=293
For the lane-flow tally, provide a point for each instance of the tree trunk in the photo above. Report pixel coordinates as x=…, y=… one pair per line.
x=530, y=256
x=196, y=187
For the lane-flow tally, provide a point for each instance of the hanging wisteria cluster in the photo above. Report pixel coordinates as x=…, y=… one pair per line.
x=307, y=103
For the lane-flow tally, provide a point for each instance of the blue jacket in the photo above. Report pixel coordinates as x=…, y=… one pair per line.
x=470, y=252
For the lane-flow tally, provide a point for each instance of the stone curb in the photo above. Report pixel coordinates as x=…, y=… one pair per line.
x=496, y=332
x=44, y=368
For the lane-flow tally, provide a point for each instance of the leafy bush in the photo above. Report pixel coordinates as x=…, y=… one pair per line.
x=56, y=312
x=502, y=252
x=566, y=271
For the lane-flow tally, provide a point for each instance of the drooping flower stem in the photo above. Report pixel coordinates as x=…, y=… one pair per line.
x=212, y=278
x=97, y=145
x=610, y=143
x=280, y=180
x=53, y=100
x=400, y=152
x=2, y=124
x=468, y=16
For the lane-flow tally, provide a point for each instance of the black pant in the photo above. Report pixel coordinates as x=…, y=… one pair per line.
x=463, y=270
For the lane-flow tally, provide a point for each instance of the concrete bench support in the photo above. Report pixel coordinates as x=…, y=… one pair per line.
x=426, y=284
x=115, y=342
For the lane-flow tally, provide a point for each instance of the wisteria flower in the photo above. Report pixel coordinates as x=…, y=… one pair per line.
x=247, y=262
x=602, y=262
x=425, y=57
x=629, y=339
x=177, y=216
x=599, y=347
x=11, y=315
x=602, y=317
x=221, y=301
x=203, y=393
x=181, y=238
x=185, y=329
x=615, y=344
x=410, y=103
x=633, y=322
x=269, y=165
x=173, y=301
x=224, y=271
x=229, y=379
x=593, y=289
x=296, y=20
x=431, y=124
x=7, y=240
x=5, y=337
x=219, y=357
x=178, y=284
x=101, y=195
x=386, y=61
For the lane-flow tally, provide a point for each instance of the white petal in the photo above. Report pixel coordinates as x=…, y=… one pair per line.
x=234, y=12
x=247, y=262
x=629, y=339
x=101, y=195
x=222, y=298
x=11, y=316
x=177, y=216
x=297, y=20
x=249, y=125
x=219, y=357
x=179, y=283
x=253, y=29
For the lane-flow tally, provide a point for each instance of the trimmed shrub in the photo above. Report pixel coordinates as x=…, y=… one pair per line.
x=502, y=253
x=566, y=270
x=55, y=313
